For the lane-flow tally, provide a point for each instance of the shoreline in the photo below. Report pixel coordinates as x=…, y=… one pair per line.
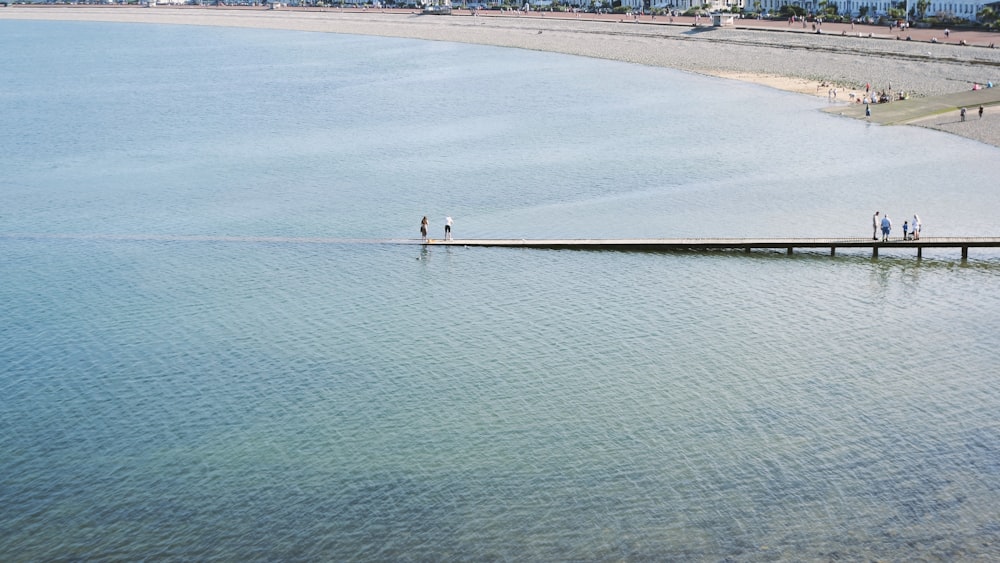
x=767, y=53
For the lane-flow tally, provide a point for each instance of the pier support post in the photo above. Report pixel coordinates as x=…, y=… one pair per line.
x=875, y=251
x=965, y=253
x=789, y=251
x=920, y=252
x=833, y=251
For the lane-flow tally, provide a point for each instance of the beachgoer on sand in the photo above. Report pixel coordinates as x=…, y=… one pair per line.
x=961, y=113
x=980, y=112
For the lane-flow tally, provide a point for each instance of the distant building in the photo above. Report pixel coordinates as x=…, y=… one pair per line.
x=965, y=9
x=682, y=6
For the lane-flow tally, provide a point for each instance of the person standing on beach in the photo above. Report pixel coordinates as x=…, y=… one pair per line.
x=423, y=228
x=868, y=111
x=961, y=113
x=875, y=226
x=886, y=228
x=447, y=228
x=980, y=112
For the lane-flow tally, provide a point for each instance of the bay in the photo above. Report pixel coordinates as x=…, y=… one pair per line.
x=218, y=344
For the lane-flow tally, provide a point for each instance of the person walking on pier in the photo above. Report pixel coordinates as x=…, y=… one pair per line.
x=886, y=228
x=875, y=225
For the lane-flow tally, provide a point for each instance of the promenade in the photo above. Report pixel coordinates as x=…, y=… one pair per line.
x=721, y=244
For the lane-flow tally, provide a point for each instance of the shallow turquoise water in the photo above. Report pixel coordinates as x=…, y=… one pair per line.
x=197, y=364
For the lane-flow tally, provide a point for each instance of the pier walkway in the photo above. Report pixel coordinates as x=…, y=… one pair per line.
x=625, y=245
x=744, y=244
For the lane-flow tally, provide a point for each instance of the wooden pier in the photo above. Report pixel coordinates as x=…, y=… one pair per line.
x=738, y=244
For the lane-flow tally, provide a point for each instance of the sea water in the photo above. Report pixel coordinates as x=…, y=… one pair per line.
x=217, y=340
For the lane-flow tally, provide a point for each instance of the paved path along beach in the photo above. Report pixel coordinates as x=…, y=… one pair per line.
x=938, y=112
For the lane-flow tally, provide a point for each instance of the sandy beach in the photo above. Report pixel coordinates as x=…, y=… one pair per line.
x=921, y=63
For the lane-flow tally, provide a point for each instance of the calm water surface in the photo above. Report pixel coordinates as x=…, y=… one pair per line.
x=199, y=359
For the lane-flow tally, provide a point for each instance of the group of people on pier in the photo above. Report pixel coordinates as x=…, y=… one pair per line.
x=911, y=231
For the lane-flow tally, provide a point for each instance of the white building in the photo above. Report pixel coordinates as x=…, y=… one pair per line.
x=678, y=5
x=713, y=5
x=965, y=9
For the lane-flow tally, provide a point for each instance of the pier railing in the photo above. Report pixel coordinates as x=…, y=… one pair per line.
x=745, y=244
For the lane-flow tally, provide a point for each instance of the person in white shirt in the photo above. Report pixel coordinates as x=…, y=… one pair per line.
x=447, y=228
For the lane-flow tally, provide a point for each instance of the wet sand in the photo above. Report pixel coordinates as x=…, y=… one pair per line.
x=774, y=54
